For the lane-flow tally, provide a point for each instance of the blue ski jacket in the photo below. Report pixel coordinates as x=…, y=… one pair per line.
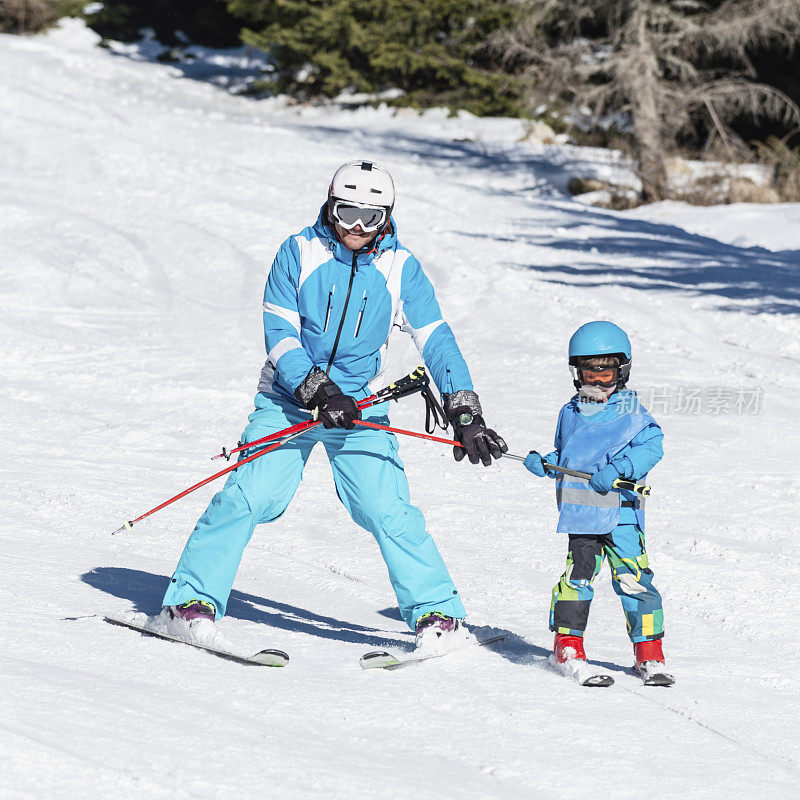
x=624, y=434
x=326, y=306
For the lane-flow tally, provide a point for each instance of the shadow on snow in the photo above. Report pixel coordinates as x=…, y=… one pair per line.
x=519, y=651
x=601, y=247
x=653, y=256
x=145, y=590
x=618, y=250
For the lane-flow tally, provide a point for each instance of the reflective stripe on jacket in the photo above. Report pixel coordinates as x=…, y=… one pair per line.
x=587, y=443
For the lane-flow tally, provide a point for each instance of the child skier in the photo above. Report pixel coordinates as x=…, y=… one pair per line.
x=604, y=430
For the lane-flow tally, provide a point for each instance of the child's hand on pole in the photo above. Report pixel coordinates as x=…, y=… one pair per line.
x=603, y=480
x=537, y=464
x=534, y=463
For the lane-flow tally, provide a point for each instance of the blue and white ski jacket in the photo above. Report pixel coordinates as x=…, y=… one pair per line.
x=322, y=298
x=624, y=434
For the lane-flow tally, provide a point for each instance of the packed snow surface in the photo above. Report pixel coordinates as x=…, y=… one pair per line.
x=139, y=213
x=199, y=631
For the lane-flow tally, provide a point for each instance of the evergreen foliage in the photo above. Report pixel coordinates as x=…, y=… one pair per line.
x=433, y=50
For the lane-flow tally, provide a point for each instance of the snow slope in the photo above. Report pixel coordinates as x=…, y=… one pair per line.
x=139, y=213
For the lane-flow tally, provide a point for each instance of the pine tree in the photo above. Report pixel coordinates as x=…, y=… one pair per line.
x=430, y=49
x=668, y=66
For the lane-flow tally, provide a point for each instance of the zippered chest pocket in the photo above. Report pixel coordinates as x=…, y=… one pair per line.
x=360, y=314
x=330, y=306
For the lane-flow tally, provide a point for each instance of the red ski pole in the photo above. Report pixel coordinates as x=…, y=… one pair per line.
x=129, y=524
x=380, y=427
x=620, y=483
x=414, y=382
x=299, y=427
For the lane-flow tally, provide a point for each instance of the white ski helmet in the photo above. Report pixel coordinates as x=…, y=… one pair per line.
x=363, y=184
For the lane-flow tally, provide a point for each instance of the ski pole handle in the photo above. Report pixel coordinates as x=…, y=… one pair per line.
x=300, y=426
x=415, y=381
x=631, y=486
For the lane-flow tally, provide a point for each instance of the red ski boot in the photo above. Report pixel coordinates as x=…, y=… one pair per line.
x=568, y=647
x=571, y=661
x=650, y=663
x=648, y=651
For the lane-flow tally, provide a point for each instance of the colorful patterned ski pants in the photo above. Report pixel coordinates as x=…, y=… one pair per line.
x=631, y=577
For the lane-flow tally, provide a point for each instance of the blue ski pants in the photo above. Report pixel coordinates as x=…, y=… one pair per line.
x=370, y=482
x=631, y=578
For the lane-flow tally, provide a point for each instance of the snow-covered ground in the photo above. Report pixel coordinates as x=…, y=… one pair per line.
x=139, y=213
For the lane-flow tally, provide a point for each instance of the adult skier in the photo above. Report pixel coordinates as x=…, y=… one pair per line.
x=334, y=293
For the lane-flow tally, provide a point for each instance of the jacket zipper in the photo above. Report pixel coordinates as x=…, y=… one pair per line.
x=361, y=314
x=330, y=305
x=353, y=269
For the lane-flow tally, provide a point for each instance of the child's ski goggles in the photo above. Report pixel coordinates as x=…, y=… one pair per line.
x=349, y=214
x=606, y=376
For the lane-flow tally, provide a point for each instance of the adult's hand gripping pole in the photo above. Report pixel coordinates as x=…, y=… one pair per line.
x=416, y=381
x=412, y=383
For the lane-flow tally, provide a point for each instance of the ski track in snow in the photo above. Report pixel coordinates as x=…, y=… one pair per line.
x=139, y=213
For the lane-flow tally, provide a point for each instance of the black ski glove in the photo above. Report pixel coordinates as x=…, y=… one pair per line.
x=463, y=409
x=321, y=395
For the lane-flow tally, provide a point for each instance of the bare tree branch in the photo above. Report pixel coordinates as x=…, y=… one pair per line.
x=667, y=64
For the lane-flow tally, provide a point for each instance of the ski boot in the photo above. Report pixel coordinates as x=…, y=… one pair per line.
x=570, y=660
x=437, y=631
x=650, y=663
x=193, y=609
x=568, y=647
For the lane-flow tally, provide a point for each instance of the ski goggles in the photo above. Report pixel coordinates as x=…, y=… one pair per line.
x=349, y=214
x=605, y=376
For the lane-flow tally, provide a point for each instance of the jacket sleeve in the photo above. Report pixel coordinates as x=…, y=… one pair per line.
x=557, y=437
x=555, y=456
x=641, y=454
x=433, y=337
x=282, y=318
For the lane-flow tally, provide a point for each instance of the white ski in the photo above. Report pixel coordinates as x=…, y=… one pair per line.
x=582, y=672
x=263, y=658
x=380, y=659
x=652, y=674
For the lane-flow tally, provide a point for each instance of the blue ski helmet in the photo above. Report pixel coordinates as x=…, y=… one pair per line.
x=601, y=338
